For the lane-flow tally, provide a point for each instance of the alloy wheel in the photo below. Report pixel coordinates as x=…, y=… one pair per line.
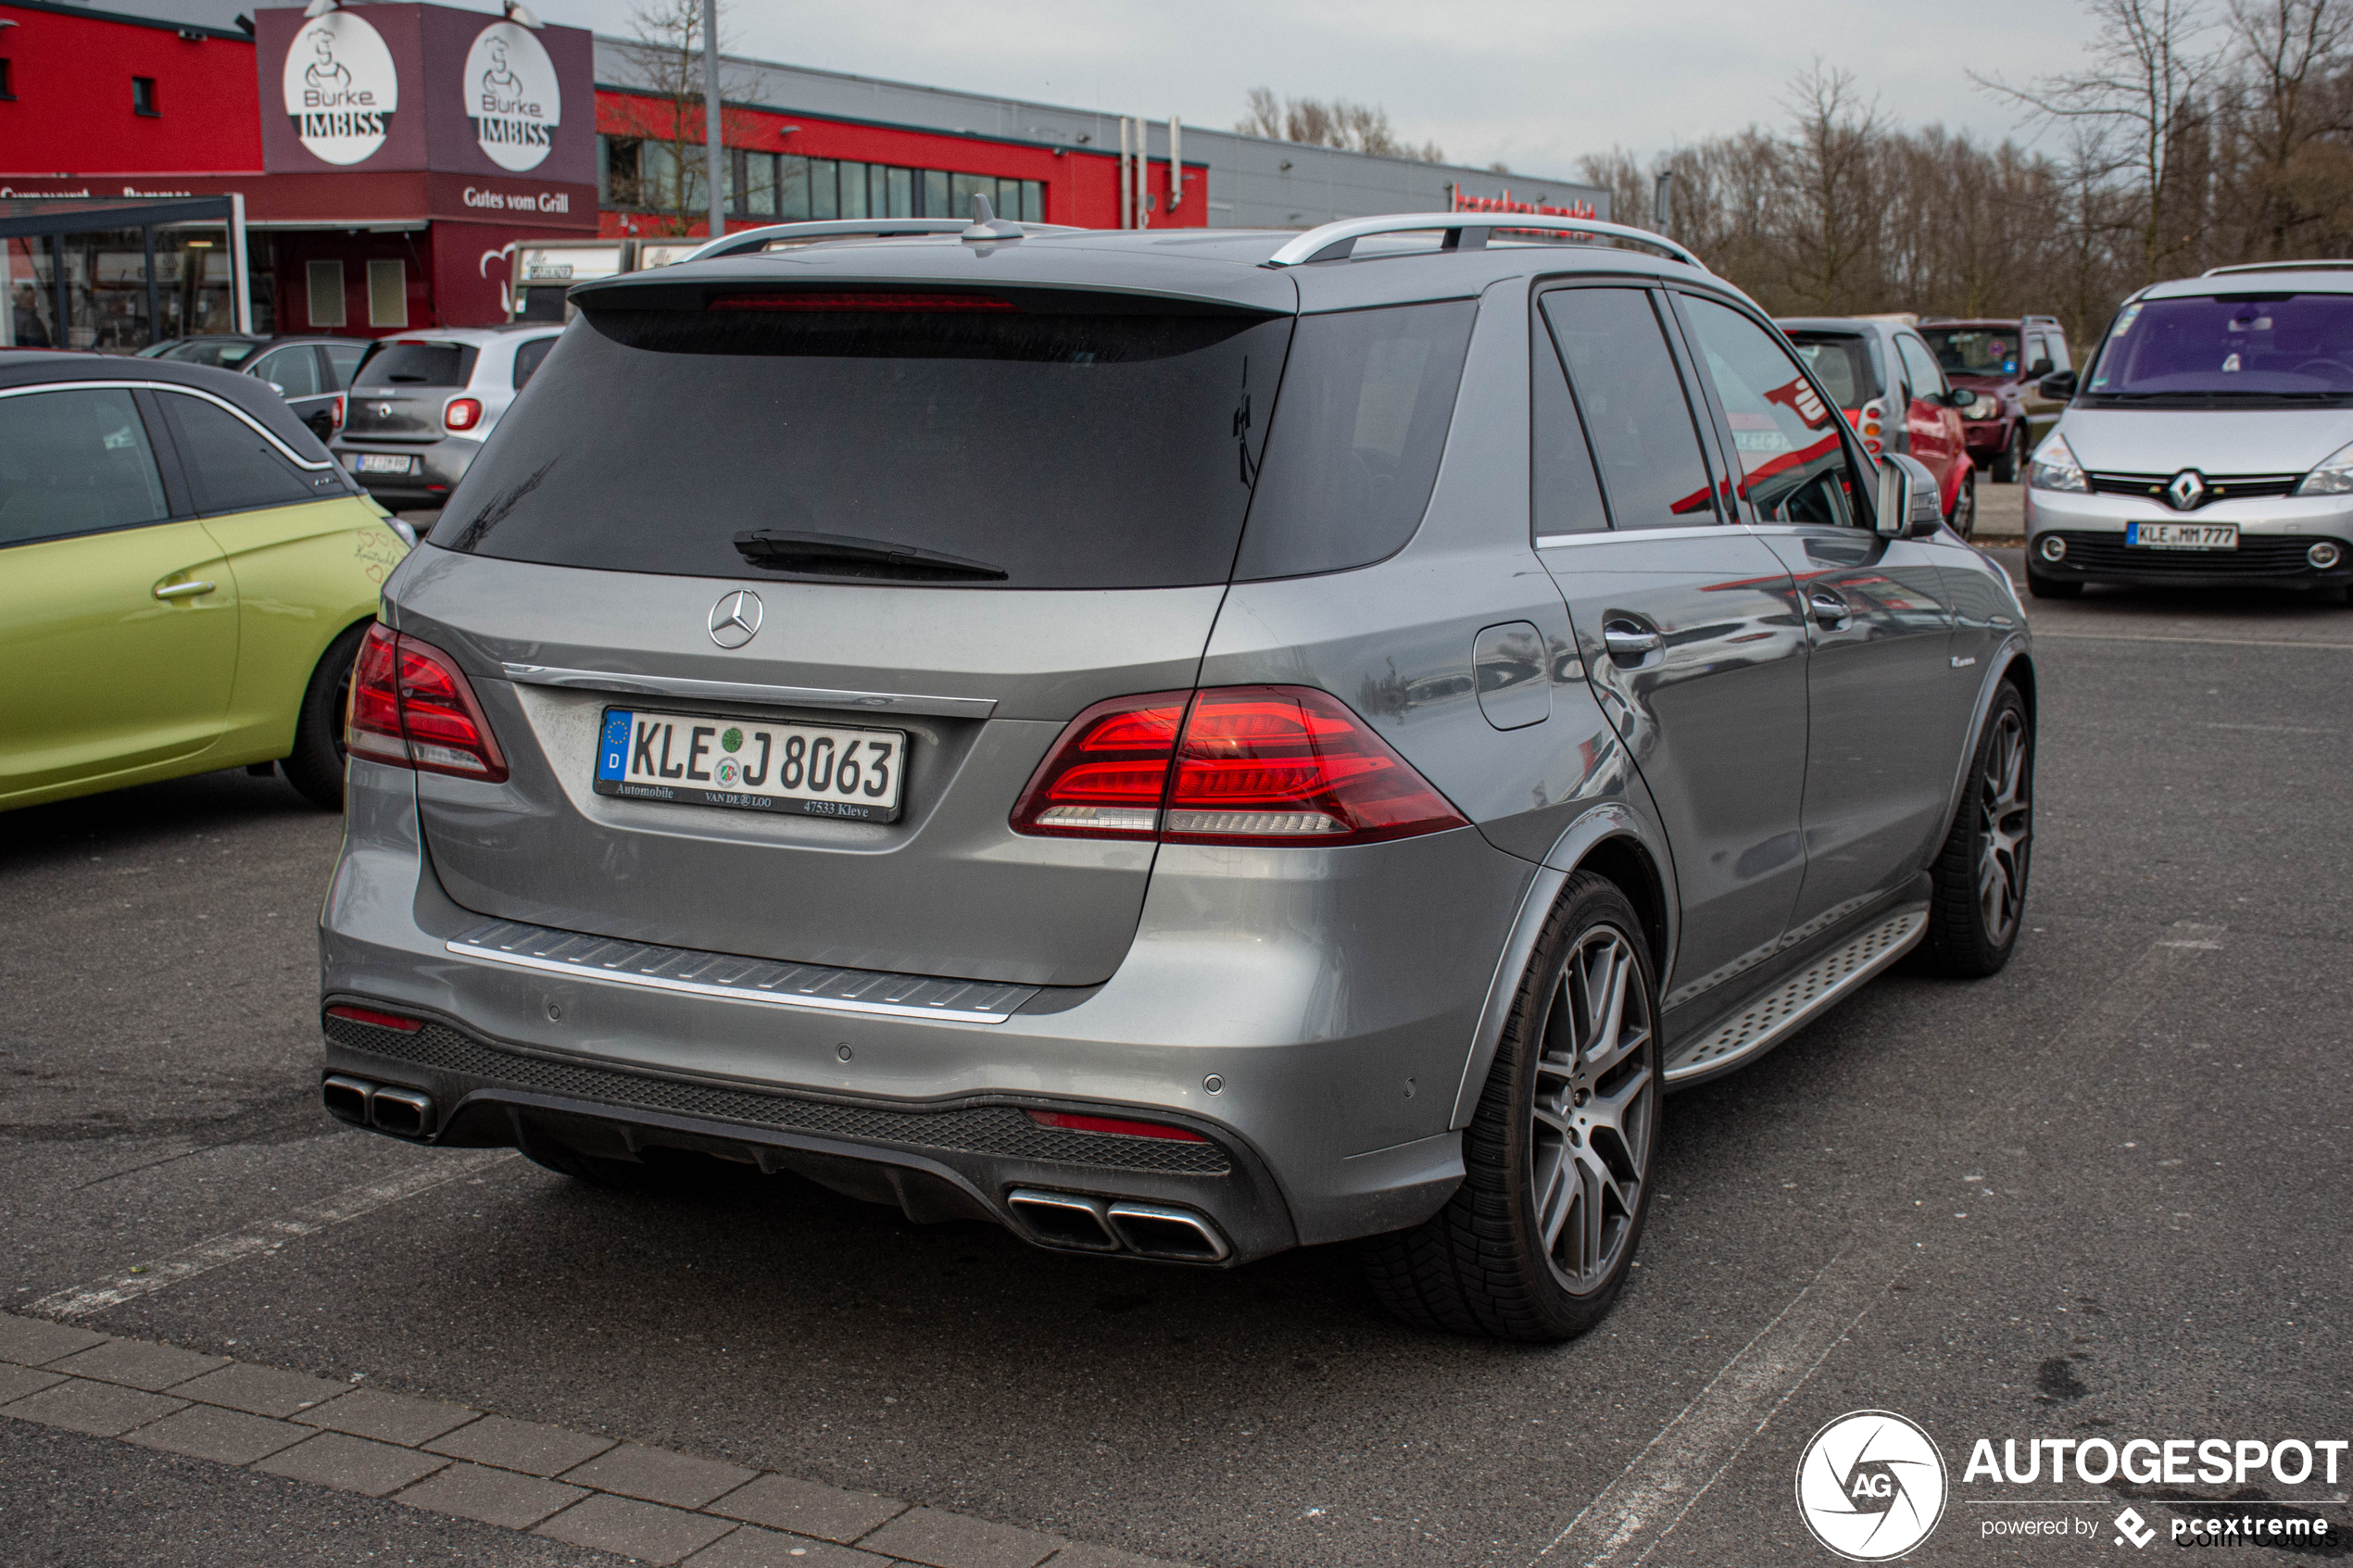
x=1595, y=1111
x=2008, y=828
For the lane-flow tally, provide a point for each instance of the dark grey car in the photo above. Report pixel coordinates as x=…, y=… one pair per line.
x=1182, y=745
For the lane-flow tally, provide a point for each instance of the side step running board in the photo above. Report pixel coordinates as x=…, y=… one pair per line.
x=1773, y=1017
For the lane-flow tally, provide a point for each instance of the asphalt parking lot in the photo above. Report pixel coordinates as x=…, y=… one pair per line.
x=2106, y=1190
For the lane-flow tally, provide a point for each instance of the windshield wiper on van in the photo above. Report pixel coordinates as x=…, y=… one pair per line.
x=838, y=555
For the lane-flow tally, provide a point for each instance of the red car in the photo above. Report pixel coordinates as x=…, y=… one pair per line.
x=1882, y=374
x=2003, y=361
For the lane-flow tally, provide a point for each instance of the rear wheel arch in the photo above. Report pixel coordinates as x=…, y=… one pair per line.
x=1624, y=860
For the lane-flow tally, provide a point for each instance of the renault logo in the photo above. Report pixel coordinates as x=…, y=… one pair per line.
x=2187, y=490
x=734, y=620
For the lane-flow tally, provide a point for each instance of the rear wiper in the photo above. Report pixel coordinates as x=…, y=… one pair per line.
x=838, y=555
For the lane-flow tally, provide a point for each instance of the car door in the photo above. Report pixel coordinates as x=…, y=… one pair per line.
x=300, y=375
x=2042, y=413
x=1687, y=625
x=1885, y=702
x=118, y=613
x=1934, y=431
x=286, y=523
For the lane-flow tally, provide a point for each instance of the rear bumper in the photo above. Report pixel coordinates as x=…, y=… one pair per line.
x=1330, y=996
x=437, y=467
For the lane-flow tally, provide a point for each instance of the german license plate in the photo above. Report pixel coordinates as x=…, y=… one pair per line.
x=752, y=764
x=381, y=463
x=2183, y=535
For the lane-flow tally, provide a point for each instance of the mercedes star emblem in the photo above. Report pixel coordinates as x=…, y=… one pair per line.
x=734, y=620
x=2187, y=491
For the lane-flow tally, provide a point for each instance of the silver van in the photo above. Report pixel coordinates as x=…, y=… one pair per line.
x=2209, y=442
x=1182, y=745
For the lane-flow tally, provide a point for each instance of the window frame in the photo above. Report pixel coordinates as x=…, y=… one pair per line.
x=161, y=447
x=1927, y=356
x=1745, y=507
x=192, y=475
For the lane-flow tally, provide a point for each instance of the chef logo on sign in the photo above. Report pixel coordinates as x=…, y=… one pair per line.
x=512, y=98
x=341, y=87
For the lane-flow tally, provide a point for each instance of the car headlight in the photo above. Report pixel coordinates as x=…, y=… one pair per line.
x=2055, y=468
x=2333, y=477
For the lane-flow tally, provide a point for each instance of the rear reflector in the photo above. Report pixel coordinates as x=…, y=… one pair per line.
x=410, y=706
x=381, y=1019
x=1115, y=1124
x=874, y=300
x=1232, y=765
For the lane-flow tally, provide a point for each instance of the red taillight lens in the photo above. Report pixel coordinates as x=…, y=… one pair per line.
x=334, y=412
x=1238, y=765
x=463, y=413
x=411, y=706
x=1115, y=1124
x=381, y=1019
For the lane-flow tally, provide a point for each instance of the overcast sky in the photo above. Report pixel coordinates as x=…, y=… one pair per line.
x=1527, y=83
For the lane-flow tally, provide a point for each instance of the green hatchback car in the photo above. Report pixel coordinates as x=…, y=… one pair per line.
x=184, y=579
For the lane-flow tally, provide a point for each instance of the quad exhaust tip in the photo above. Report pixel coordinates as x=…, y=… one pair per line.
x=1078, y=1223
x=405, y=1113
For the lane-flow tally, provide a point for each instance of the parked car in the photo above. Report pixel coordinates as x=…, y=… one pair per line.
x=904, y=713
x=2208, y=441
x=1896, y=396
x=309, y=372
x=2003, y=361
x=184, y=579
x=422, y=405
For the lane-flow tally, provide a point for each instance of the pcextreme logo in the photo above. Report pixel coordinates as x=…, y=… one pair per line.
x=1871, y=1486
x=341, y=87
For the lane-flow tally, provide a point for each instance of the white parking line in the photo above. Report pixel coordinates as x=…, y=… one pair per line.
x=1628, y=1518
x=264, y=1236
x=2041, y=633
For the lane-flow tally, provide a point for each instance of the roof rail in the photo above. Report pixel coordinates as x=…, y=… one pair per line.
x=1334, y=242
x=746, y=241
x=2324, y=265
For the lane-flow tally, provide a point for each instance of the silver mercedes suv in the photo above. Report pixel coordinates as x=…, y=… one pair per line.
x=1183, y=745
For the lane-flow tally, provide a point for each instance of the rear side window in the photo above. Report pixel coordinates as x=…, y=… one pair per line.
x=75, y=461
x=398, y=365
x=343, y=359
x=1841, y=362
x=1640, y=422
x=295, y=371
x=1358, y=430
x=527, y=358
x=1044, y=441
x=1565, y=492
x=233, y=467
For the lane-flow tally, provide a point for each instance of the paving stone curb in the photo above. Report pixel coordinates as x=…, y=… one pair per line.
x=655, y=1505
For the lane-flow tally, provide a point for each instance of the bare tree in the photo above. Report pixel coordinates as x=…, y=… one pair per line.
x=668, y=174
x=2292, y=114
x=1336, y=122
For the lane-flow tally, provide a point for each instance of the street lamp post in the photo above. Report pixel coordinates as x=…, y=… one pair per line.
x=714, y=179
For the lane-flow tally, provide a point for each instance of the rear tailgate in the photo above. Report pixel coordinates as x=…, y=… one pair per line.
x=402, y=386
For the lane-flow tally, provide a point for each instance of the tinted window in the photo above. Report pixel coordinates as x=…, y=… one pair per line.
x=1975, y=351
x=2243, y=344
x=74, y=463
x=1841, y=362
x=1919, y=367
x=1632, y=399
x=343, y=359
x=527, y=358
x=295, y=371
x=1566, y=496
x=397, y=365
x=1357, y=434
x=234, y=468
x=1065, y=445
x=1793, y=465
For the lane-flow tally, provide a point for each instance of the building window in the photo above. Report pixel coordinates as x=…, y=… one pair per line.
x=143, y=95
x=642, y=175
x=387, y=294
x=7, y=81
x=323, y=282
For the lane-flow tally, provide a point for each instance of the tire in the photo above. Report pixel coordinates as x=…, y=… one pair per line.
x=1962, y=518
x=1979, y=900
x=2044, y=587
x=2012, y=462
x=1572, y=1101
x=315, y=766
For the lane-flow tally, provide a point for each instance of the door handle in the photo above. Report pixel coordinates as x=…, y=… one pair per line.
x=1829, y=609
x=181, y=590
x=1629, y=639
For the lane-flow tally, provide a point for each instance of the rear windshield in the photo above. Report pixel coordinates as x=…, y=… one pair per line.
x=1841, y=362
x=1049, y=444
x=2287, y=346
x=397, y=365
x=1974, y=351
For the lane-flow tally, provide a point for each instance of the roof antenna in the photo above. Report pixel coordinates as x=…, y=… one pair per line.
x=986, y=225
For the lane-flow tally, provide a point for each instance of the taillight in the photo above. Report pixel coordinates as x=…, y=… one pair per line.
x=463, y=413
x=410, y=706
x=1233, y=765
x=335, y=413
x=1119, y=1127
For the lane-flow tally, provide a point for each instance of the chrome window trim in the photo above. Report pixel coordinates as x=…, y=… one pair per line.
x=306, y=464
x=746, y=691
x=1698, y=531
